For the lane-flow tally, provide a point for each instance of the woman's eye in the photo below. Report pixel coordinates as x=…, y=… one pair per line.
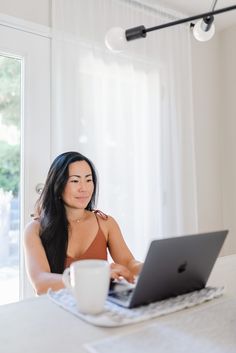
x=89, y=180
x=74, y=181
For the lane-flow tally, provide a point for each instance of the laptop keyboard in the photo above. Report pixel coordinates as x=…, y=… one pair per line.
x=121, y=295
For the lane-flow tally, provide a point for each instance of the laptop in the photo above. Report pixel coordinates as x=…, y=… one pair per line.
x=173, y=266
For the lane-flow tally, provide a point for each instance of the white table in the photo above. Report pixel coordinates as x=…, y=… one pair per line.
x=38, y=325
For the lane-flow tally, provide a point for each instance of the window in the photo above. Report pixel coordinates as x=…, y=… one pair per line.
x=10, y=117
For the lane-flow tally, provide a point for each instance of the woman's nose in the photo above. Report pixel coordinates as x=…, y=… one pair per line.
x=82, y=185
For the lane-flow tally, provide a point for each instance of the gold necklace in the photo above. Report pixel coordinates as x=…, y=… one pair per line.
x=78, y=220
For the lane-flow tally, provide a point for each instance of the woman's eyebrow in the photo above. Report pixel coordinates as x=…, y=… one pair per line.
x=79, y=176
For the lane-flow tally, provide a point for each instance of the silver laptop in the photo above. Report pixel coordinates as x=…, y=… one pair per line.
x=173, y=266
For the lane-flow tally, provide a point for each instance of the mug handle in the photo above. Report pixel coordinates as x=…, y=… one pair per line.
x=66, y=278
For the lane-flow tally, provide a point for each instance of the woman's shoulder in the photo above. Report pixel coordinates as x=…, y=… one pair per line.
x=105, y=218
x=32, y=228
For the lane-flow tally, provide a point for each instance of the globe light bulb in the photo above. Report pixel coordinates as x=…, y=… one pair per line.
x=115, y=39
x=201, y=32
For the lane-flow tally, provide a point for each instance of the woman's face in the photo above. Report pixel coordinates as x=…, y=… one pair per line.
x=79, y=187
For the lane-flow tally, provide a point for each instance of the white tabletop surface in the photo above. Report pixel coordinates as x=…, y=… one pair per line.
x=38, y=325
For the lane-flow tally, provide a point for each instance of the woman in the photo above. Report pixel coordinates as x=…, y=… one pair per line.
x=68, y=228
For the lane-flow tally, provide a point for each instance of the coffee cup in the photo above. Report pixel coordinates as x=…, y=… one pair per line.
x=88, y=281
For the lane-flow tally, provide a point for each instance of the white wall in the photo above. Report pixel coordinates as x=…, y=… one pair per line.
x=205, y=63
x=214, y=82
x=38, y=11
x=227, y=54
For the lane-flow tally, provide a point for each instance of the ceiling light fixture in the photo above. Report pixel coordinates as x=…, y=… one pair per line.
x=204, y=29
x=117, y=38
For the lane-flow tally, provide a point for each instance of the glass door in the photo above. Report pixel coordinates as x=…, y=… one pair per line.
x=24, y=147
x=10, y=118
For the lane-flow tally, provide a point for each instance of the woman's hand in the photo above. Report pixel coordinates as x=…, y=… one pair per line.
x=119, y=271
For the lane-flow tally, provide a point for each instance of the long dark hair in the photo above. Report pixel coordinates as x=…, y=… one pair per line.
x=51, y=210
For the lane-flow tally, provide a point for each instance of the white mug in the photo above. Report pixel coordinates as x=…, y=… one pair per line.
x=88, y=280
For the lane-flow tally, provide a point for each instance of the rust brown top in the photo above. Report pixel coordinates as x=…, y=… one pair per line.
x=97, y=249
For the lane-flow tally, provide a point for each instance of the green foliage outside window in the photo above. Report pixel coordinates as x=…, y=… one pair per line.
x=10, y=72
x=10, y=112
x=9, y=167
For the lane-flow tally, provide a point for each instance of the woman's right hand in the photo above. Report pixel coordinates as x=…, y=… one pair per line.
x=119, y=271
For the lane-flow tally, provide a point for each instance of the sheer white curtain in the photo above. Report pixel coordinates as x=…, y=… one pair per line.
x=131, y=113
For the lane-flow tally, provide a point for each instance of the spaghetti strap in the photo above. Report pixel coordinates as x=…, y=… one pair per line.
x=101, y=214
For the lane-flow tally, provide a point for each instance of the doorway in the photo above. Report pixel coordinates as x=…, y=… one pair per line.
x=24, y=146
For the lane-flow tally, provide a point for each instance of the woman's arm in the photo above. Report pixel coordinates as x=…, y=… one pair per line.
x=120, y=253
x=36, y=262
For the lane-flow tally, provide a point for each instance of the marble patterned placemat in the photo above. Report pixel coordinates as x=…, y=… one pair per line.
x=114, y=315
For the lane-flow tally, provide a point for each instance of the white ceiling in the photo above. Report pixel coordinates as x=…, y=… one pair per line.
x=195, y=7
